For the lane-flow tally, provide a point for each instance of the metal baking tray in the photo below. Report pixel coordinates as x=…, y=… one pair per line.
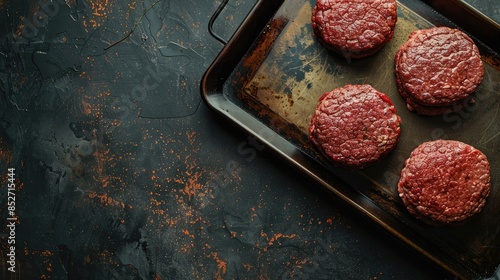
x=269, y=76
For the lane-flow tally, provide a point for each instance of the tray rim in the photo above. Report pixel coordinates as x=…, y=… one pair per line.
x=211, y=89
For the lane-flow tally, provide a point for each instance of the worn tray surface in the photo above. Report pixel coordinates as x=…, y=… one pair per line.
x=280, y=80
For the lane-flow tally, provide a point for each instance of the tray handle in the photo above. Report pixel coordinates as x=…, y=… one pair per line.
x=216, y=14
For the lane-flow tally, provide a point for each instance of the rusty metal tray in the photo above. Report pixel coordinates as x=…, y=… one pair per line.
x=269, y=76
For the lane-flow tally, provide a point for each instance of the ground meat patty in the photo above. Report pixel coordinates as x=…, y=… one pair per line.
x=437, y=69
x=354, y=28
x=428, y=110
x=355, y=125
x=445, y=182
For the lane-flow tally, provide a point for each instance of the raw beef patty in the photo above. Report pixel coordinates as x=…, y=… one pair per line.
x=445, y=182
x=355, y=125
x=354, y=29
x=437, y=69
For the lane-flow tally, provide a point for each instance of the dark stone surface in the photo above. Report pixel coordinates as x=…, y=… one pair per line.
x=491, y=8
x=122, y=172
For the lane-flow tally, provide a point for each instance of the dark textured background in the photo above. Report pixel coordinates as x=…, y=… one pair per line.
x=123, y=173
x=490, y=8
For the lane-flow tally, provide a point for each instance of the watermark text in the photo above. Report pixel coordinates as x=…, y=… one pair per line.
x=11, y=220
